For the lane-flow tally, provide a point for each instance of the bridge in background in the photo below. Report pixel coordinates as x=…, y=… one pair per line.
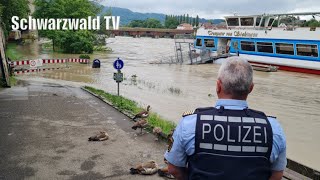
x=150, y=32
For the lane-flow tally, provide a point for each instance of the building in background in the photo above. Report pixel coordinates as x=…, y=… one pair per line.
x=185, y=26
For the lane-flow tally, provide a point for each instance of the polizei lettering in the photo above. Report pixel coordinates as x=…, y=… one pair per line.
x=240, y=134
x=233, y=134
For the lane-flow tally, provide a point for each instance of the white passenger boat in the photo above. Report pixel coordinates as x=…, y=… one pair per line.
x=289, y=47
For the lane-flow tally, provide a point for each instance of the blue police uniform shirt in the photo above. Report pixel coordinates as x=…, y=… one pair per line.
x=184, y=138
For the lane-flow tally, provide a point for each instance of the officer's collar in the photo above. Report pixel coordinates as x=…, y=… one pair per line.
x=231, y=103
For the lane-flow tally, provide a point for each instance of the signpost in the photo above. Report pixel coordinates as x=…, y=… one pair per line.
x=35, y=64
x=118, y=76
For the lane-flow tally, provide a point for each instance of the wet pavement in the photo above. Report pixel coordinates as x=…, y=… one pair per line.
x=44, y=129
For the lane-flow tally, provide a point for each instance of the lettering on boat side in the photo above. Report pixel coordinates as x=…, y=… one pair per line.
x=245, y=34
x=211, y=33
x=235, y=33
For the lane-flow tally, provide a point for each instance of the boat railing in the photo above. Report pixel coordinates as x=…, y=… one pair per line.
x=183, y=38
x=179, y=58
x=285, y=28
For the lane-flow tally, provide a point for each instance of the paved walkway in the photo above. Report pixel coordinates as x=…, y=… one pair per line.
x=44, y=129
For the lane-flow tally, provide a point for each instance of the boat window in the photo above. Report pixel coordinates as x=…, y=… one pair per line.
x=265, y=47
x=270, y=21
x=263, y=22
x=233, y=21
x=307, y=50
x=209, y=42
x=248, y=46
x=258, y=21
x=283, y=48
x=199, y=42
x=246, y=21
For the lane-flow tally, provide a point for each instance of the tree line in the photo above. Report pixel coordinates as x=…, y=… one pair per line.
x=171, y=22
x=9, y=8
x=179, y=19
x=311, y=23
x=68, y=41
x=148, y=23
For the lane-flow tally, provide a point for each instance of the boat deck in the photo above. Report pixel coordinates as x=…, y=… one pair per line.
x=264, y=68
x=208, y=59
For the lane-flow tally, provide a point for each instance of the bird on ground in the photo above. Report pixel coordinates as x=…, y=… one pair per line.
x=102, y=136
x=142, y=123
x=147, y=168
x=143, y=114
x=157, y=131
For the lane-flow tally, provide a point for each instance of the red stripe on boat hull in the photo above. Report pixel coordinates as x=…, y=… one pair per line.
x=293, y=69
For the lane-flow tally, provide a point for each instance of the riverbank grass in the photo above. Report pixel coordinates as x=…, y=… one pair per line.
x=132, y=107
x=13, y=80
x=12, y=52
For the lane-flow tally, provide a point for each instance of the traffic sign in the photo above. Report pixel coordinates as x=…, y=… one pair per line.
x=35, y=63
x=118, y=77
x=118, y=64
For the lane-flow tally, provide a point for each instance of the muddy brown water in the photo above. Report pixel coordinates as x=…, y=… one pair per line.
x=293, y=98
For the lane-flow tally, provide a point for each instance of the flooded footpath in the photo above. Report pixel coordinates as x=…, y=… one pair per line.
x=293, y=98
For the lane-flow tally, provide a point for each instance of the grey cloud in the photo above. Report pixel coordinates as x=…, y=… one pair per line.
x=216, y=8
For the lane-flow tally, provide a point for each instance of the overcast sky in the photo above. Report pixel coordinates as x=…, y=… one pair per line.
x=217, y=8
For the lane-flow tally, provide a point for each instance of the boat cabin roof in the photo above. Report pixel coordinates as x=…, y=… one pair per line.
x=260, y=21
x=256, y=21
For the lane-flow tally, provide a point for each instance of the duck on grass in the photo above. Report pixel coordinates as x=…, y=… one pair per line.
x=132, y=107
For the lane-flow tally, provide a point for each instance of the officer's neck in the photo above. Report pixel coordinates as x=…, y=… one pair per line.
x=229, y=96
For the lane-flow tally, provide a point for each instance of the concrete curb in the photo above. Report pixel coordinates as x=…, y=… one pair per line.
x=129, y=115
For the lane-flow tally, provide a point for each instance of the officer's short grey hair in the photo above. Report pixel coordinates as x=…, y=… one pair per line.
x=236, y=74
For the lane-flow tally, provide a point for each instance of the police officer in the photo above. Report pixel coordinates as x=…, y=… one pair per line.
x=229, y=140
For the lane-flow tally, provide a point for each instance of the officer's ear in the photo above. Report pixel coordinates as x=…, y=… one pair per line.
x=251, y=87
x=218, y=86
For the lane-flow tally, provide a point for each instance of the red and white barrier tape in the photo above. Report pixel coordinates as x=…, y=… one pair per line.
x=34, y=70
x=50, y=61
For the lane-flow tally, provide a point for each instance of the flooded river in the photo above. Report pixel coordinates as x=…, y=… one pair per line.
x=293, y=98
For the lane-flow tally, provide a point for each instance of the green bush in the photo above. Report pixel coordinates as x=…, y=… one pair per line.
x=13, y=81
x=84, y=56
x=12, y=52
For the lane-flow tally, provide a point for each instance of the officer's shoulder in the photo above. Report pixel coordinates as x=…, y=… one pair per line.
x=273, y=117
x=188, y=113
x=276, y=127
x=204, y=109
x=258, y=112
x=262, y=113
x=195, y=111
